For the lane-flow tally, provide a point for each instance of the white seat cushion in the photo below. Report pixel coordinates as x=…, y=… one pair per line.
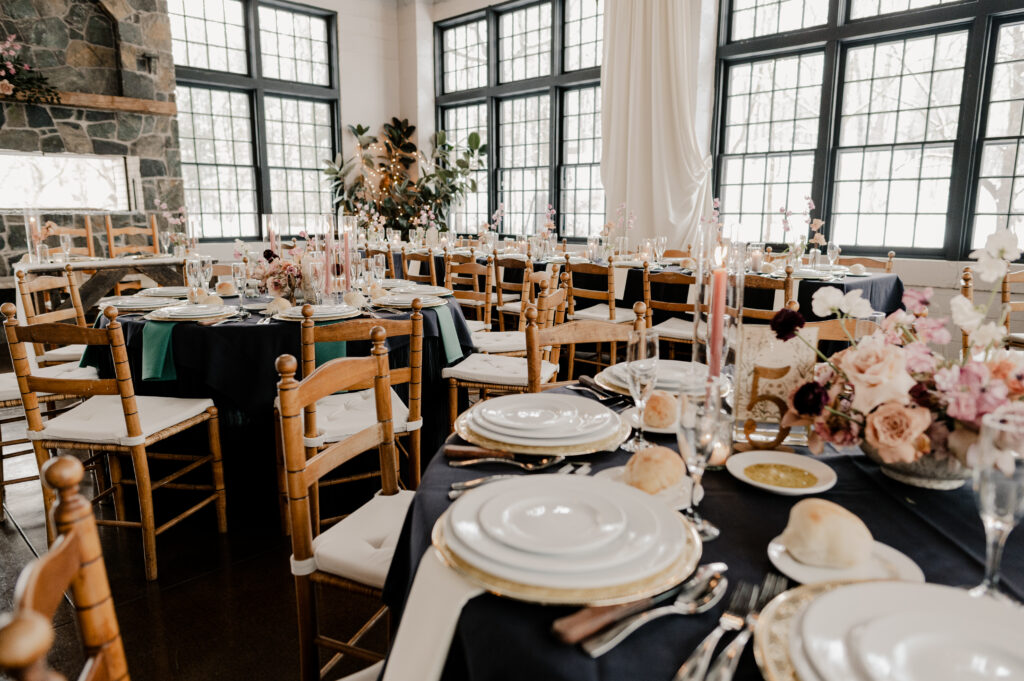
x=1015, y=338
x=600, y=313
x=512, y=308
x=9, y=382
x=508, y=298
x=360, y=547
x=499, y=341
x=100, y=419
x=339, y=416
x=475, y=325
x=681, y=329
x=371, y=673
x=497, y=369
x=68, y=353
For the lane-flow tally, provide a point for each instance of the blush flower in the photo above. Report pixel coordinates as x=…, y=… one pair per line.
x=6, y=88
x=917, y=300
x=897, y=432
x=919, y=358
x=932, y=330
x=878, y=373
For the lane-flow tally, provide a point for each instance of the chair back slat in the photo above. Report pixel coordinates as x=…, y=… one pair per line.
x=74, y=564
x=84, y=232
x=465, y=271
x=575, y=291
x=73, y=386
x=339, y=453
x=323, y=381
x=832, y=330
x=758, y=282
x=430, y=277
x=871, y=263
x=131, y=230
x=62, y=334
x=667, y=279
x=388, y=258
x=46, y=290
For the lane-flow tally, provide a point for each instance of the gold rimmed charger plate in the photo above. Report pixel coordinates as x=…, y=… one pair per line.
x=771, y=635
x=329, y=318
x=605, y=444
x=215, y=318
x=675, y=573
x=602, y=380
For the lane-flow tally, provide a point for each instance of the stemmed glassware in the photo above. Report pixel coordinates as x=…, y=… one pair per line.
x=316, y=273
x=206, y=270
x=380, y=267
x=999, y=488
x=832, y=251
x=65, y=246
x=193, y=277
x=660, y=246
x=238, y=277
x=165, y=242
x=702, y=428
x=642, y=374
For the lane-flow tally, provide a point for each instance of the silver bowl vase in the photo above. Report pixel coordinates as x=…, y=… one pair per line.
x=928, y=472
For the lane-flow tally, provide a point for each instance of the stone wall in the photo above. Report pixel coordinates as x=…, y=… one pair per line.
x=103, y=47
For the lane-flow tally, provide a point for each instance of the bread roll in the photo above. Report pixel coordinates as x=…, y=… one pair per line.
x=212, y=299
x=226, y=288
x=824, y=534
x=662, y=410
x=277, y=305
x=857, y=268
x=654, y=469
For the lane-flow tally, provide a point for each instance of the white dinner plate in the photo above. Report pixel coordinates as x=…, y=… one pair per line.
x=653, y=538
x=552, y=522
x=934, y=629
x=539, y=416
x=405, y=300
x=576, y=436
x=423, y=290
x=632, y=417
x=885, y=563
x=737, y=465
x=322, y=312
x=672, y=374
x=192, y=311
x=165, y=292
x=854, y=274
x=677, y=497
x=137, y=302
x=396, y=283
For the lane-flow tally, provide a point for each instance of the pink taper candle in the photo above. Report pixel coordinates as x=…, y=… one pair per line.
x=328, y=266
x=348, y=264
x=717, y=320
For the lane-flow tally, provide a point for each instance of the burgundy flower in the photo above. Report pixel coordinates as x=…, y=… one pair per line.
x=269, y=255
x=786, y=322
x=810, y=399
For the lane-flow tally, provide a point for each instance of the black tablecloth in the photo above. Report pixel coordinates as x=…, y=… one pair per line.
x=499, y=638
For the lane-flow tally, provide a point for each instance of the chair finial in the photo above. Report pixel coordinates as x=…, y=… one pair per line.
x=307, y=310
x=63, y=474
x=9, y=309
x=639, y=309
x=531, y=314
x=25, y=638
x=378, y=335
x=286, y=366
x=110, y=312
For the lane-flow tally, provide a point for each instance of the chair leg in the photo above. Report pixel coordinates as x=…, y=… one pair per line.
x=414, y=457
x=453, y=403
x=572, y=361
x=309, y=657
x=213, y=431
x=49, y=496
x=282, y=481
x=143, y=486
x=114, y=462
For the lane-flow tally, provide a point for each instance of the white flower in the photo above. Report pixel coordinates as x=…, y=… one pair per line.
x=988, y=268
x=855, y=306
x=1000, y=244
x=965, y=314
x=986, y=336
x=826, y=301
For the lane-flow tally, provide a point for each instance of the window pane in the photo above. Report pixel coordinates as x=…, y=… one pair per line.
x=771, y=113
x=298, y=142
x=209, y=34
x=582, y=201
x=1000, y=200
x=294, y=46
x=901, y=107
x=584, y=31
x=214, y=127
x=524, y=43
x=63, y=181
x=752, y=18
x=524, y=157
x=871, y=8
x=465, y=56
x=459, y=122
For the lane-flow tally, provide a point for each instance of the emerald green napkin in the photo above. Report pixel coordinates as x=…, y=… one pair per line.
x=449, y=336
x=325, y=352
x=157, y=352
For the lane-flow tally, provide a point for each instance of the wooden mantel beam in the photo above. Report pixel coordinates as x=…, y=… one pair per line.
x=86, y=100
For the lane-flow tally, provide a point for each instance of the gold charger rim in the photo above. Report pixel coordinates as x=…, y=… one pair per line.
x=665, y=579
x=332, y=318
x=606, y=444
x=212, y=318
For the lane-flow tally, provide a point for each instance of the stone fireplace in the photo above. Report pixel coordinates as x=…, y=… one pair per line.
x=111, y=61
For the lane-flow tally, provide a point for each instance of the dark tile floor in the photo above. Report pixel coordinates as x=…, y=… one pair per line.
x=223, y=607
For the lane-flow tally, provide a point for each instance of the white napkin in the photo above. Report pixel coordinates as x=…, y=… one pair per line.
x=429, y=620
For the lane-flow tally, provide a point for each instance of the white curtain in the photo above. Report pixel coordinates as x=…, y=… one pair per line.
x=654, y=108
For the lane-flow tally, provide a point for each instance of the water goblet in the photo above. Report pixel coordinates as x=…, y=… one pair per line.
x=238, y=276
x=701, y=428
x=380, y=266
x=206, y=264
x=315, y=271
x=999, y=488
x=165, y=242
x=42, y=252
x=832, y=252
x=194, y=277
x=642, y=374
x=65, y=246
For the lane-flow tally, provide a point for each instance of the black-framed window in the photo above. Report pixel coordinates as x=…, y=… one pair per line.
x=526, y=76
x=905, y=139
x=258, y=111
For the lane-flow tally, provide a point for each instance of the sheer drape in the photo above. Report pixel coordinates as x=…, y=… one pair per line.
x=651, y=84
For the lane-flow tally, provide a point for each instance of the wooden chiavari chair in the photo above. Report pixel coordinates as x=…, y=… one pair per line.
x=513, y=343
x=355, y=554
x=425, y=260
x=870, y=263
x=511, y=294
x=675, y=329
x=541, y=343
x=473, y=286
x=132, y=282
x=74, y=565
x=842, y=330
x=388, y=258
x=84, y=232
x=677, y=253
x=116, y=423
x=967, y=291
x=757, y=282
x=502, y=373
x=1014, y=340
x=604, y=311
x=42, y=298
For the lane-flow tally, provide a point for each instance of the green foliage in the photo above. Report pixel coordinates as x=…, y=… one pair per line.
x=19, y=81
x=388, y=175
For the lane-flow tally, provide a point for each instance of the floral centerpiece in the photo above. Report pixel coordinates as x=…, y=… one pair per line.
x=798, y=247
x=910, y=408
x=18, y=80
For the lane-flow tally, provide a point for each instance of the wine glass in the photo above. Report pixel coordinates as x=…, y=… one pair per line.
x=238, y=277
x=65, y=246
x=206, y=269
x=832, y=251
x=380, y=266
x=999, y=488
x=165, y=242
x=702, y=427
x=642, y=374
x=193, y=276
x=316, y=273
x=660, y=246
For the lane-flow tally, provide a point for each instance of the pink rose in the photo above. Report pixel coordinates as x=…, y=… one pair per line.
x=877, y=371
x=920, y=359
x=931, y=330
x=6, y=88
x=917, y=300
x=897, y=432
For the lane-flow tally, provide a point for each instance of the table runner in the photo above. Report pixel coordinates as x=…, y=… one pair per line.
x=499, y=638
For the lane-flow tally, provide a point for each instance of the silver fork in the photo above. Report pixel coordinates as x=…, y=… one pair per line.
x=724, y=667
x=734, y=617
x=538, y=465
x=460, y=488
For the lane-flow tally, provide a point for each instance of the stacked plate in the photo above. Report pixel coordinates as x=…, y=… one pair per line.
x=673, y=375
x=532, y=423
x=424, y=290
x=403, y=300
x=192, y=313
x=567, y=539
x=165, y=292
x=321, y=313
x=896, y=631
x=126, y=303
x=395, y=283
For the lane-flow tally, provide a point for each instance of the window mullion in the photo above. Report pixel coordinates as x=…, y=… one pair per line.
x=822, y=186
